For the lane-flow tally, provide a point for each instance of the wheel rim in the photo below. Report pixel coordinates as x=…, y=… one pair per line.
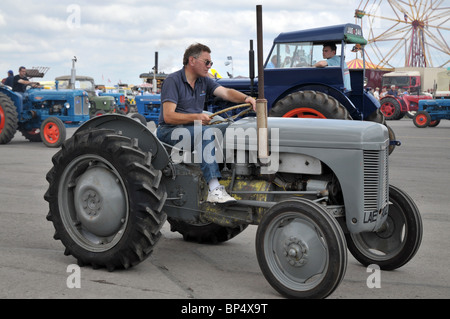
x=296, y=251
x=388, y=109
x=421, y=119
x=388, y=241
x=92, y=203
x=305, y=112
x=51, y=133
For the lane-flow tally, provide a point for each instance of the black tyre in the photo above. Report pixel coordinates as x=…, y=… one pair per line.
x=434, y=123
x=310, y=104
x=397, y=241
x=105, y=200
x=207, y=233
x=390, y=108
x=33, y=135
x=53, y=132
x=8, y=119
x=97, y=113
x=301, y=249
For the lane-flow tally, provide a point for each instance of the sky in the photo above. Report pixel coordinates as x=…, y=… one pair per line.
x=115, y=41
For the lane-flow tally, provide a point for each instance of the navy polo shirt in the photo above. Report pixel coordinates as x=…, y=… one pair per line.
x=176, y=89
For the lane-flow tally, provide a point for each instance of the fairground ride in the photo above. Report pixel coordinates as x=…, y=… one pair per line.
x=411, y=32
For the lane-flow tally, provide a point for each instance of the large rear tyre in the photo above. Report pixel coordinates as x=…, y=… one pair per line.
x=33, y=135
x=8, y=119
x=390, y=108
x=301, y=249
x=207, y=233
x=105, y=200
x=397, y=241
x=310, y=104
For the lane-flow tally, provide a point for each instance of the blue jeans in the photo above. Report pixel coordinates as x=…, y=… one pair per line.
x=198, y=142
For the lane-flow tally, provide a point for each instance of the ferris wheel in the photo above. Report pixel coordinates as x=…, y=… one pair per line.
x=409, y=32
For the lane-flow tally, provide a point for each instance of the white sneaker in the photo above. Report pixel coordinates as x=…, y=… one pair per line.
x=219, y=195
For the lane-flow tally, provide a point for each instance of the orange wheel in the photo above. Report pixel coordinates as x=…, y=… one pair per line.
x=53, y=132
x=305, y=112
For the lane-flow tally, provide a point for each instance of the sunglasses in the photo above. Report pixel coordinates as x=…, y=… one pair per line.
x=207, y=62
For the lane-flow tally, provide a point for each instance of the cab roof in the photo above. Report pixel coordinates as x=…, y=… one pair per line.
x=350, y=33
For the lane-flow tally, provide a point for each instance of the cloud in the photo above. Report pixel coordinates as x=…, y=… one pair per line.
x=117, y=39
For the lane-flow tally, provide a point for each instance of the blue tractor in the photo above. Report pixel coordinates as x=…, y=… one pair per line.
x=148, y=107
x=294, y=87
x=41, y=115
x=431, y=112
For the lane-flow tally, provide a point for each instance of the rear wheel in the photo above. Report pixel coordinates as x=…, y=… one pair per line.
x=434, y=123
x=301, y=249
x=390, y=107
x=422, y=119
x=310, y=104
x=313, y=104
x=105, y=200
x=32, y=135
x=53, y=132
x=8, y=119
x=206, y=233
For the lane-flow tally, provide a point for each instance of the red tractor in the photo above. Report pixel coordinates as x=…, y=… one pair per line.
x=394, y=108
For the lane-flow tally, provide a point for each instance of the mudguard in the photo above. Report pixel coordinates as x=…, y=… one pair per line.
x=129, y=127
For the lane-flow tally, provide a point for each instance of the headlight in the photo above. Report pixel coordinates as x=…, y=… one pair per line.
x=67, y=105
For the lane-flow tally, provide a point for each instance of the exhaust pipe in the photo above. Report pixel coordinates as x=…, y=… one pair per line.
x=261, y=102
x=73, y=74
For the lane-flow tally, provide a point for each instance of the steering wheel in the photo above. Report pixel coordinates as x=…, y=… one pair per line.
x=231, y=118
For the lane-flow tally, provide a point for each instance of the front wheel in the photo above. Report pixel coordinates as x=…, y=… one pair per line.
x=422, y=119
x=53, y=132
x=105, y=200
x=397, y=241
x=301, y=249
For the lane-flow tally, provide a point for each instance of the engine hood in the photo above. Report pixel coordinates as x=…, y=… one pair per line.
x=313, y=133
x=37, y=95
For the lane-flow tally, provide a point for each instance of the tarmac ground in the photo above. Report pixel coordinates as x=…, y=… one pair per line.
x=33, y=265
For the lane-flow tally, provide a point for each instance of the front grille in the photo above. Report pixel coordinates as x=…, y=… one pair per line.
x=86, y=106
x=376, y=185
x=78, y=105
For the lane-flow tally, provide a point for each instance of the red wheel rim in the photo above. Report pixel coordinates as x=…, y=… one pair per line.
x=51, y=133
x=421, y=119
x=387, y=109
x=305, y=112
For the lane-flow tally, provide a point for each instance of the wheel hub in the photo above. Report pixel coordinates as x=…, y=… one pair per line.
x=296, y=252
x=92, y=203
x=387, y=229
x=100, y=202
